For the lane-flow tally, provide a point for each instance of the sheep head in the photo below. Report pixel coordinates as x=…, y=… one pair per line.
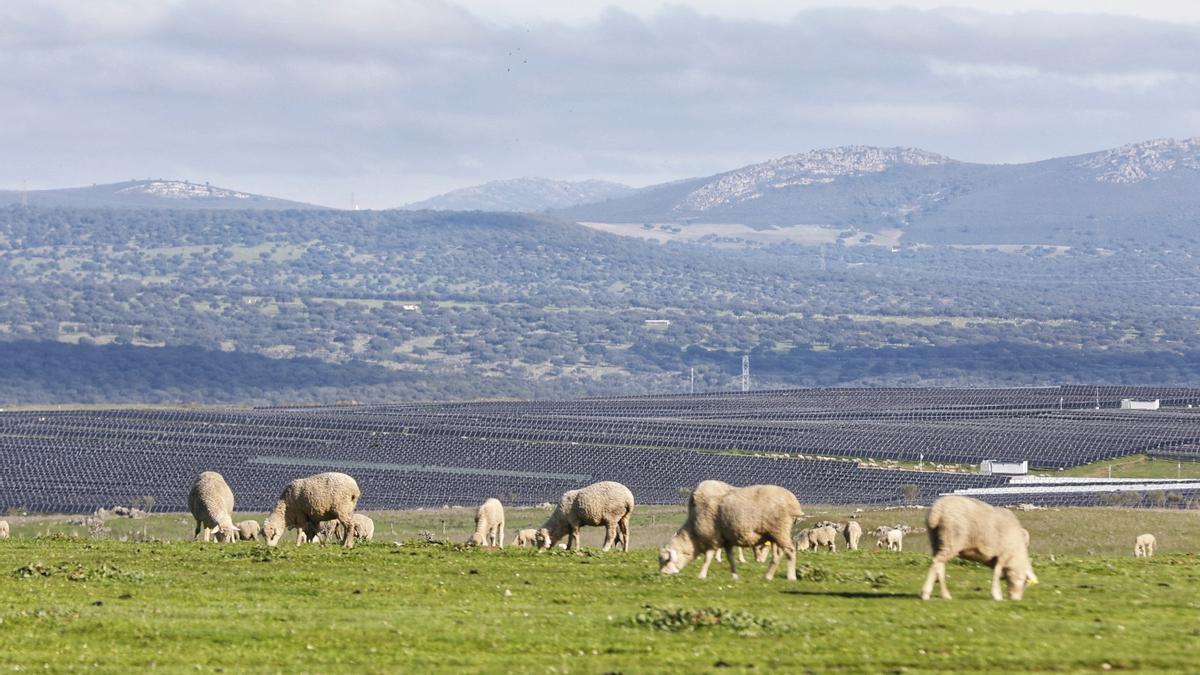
x=543, y=539
x=1018, y=578
x=273, y=531
x=671, y=561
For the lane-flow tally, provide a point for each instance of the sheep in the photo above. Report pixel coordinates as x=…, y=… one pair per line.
x=968, y=528
x=605, y=503
x=489, y=524
x=211, y=504
x=700, y=525
x=1143, y=547
x=891, y=538
x=526, y=537
x=321, y=532
x=852, y=531
x=816, y=537
x=305, y=502
x=748, y=516
x=248, y=530
x=3, y=529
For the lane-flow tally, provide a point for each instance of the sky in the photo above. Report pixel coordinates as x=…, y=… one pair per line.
x=397, y=100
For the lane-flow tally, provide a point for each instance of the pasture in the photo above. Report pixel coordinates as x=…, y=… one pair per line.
x=403, y=603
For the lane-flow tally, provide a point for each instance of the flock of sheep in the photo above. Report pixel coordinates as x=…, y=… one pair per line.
x=720, y=518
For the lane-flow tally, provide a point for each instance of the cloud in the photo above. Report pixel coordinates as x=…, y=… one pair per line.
x=399, y=99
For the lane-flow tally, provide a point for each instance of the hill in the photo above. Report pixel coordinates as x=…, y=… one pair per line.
x=1141, y=193
x=527, y=195
x=172, y=194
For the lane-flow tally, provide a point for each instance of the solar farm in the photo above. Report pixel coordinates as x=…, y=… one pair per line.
x=823, y=444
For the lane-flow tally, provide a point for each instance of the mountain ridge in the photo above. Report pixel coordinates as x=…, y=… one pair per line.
x=530, y=194
x=1150, y=186
x=150, y=193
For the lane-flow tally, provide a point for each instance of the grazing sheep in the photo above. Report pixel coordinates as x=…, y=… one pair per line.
x=527, y=537
x=816, y=537
x=968, y=528
x=891, y=538
x=364, y=529
x=211, y=504
x=3, y=529
x=1143, y=547
x=489, y=524
x=748, y=516
x=852, y=531
x=701, y=525
x=605, y=503
x=308, y=501
x=322, y=532
x=248, y=530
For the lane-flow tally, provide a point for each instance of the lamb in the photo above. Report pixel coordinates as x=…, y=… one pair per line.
x=816, y=537
x=605, y=503
x=248, y=530
x=1143, y=547
x=891, y=538
x=748, y=516
x=3, y=529
x=526, y=537
x=308, y=501
x=852, y=531
x=970, y=529
x=211, y=504
x=489, y=524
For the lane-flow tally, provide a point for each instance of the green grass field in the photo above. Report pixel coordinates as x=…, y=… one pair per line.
x=398, y=604
x=1137, y=466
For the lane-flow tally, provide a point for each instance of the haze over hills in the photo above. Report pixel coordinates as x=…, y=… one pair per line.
x=527, y=195
x=159, y=193
x=1147, y=191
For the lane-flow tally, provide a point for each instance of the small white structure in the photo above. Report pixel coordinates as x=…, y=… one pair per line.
x=658, y=323
x=1132, y=404
x=992, y=467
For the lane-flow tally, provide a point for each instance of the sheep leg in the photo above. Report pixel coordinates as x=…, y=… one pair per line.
x=623, y=526
x=610, y=535
x=500, y=535
x=741, y=554
x=773, y=566
x=347, y=525
x=732, y=561
x=574, y=538
x=300, y=536
x=196, y=535
x=708, y=558
x=997, y=571
x=937, y=572
x=942, y=581
x=718, y=554
x=790, y=552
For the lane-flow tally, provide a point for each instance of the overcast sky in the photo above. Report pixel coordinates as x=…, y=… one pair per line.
x=397, y=100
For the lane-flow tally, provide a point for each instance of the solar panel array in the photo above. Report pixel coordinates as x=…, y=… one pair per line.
x=430, y=455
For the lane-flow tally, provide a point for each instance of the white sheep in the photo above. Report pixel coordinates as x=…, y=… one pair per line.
x=211, y=504
x=526, y=537
x=816, y=537
x=891, y=538
x=3, y=529
x=1143, y=547
x=305, y=502
x=698, y=534
x=852, y=531
x=748, y=516
x=248, y=530
x=364, y=529
x=968, y=528
x=489, y=524
x=605, y=503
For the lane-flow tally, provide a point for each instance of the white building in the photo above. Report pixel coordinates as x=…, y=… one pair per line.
x=993, y=467
x=1131, y=404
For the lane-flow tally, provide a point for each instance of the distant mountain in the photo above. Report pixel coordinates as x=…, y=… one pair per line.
x=1138, y=191
x=162, y=194
x=523, y=195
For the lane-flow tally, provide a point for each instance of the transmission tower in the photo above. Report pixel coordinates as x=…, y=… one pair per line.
x=745, y=372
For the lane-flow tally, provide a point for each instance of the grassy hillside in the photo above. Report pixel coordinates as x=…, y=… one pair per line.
x=382, y=607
